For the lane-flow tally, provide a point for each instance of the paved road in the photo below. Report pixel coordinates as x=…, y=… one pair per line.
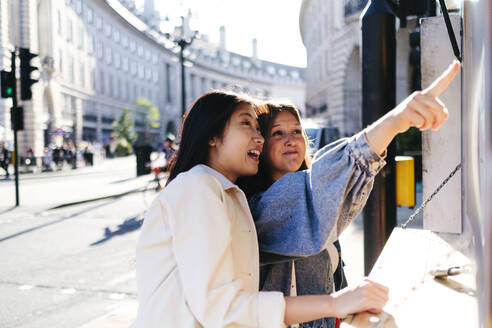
x=68, y=266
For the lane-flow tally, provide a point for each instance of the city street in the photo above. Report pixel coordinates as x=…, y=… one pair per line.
x=66, y=267
x=74, y=266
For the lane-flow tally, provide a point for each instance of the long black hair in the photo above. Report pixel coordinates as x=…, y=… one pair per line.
x=206, y=119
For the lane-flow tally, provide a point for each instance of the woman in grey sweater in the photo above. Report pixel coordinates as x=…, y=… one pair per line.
x=301, y=209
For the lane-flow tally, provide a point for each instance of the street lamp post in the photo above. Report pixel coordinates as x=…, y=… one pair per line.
x=182, y=44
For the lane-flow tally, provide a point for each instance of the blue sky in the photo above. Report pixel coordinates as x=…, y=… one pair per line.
x=275, y=23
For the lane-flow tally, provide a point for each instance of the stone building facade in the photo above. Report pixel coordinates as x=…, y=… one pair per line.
x=331, y=33
x=97, y=57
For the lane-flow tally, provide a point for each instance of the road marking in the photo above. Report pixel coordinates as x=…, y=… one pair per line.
x=26, y=287
x=69, y=291
x=117, y=296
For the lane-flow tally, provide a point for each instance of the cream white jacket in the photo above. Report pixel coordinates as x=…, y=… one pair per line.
x=198, y=260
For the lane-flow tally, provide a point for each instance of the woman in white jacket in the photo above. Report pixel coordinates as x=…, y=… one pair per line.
x=197, y=256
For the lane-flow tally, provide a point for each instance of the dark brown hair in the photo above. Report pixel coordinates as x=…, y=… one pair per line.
x=267, y=113
x=206, y=119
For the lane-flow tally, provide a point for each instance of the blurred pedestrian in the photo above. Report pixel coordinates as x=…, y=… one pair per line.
x=5, y=159
x=47, y=158
x=88, y=155
x=169, y=150
x=58, y=155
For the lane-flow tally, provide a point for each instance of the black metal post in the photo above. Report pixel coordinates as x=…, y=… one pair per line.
x=182, y=45
x=15, y=120
x=378, y=97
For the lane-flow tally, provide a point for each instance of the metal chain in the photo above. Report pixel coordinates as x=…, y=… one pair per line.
x=412, y=217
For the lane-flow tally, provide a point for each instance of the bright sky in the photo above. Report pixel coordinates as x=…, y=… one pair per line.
x=274, y=23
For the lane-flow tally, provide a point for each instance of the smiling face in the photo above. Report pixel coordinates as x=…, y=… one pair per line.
x=285, y=148
x=237, y=152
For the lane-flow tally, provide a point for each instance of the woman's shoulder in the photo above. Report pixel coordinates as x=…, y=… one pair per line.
x=193, y=180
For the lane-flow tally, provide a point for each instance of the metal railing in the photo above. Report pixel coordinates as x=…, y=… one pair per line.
x=354, y=6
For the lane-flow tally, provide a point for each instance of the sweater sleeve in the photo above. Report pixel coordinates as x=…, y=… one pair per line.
x=304, y=210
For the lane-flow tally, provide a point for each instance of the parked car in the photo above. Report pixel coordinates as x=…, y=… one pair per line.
x=319, y=135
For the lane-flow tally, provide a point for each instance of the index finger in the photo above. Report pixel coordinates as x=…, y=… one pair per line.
x=441, y=83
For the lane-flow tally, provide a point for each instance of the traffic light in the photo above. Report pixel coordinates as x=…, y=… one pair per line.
x=7, y=80
x=17, y=118
x=25, y=73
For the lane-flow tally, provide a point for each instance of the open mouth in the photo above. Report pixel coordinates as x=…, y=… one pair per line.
x=254, y=154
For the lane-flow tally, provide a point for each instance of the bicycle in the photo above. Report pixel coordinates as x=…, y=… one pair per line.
x=155, y=185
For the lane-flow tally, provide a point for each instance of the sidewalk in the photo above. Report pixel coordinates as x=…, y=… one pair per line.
x=46, y=190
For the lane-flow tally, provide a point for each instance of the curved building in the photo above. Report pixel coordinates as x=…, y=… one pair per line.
x=97, y=57
x=330, y=31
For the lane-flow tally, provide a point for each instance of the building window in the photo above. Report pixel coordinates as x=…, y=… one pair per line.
x=126, y=91
x=78, y=7
x=110, y=85
x=71, y=68
x=203, y=84
x=124, y=41
x=117, y=88
x=141, y=71
x=99, y=49
x=116, y=35
x=81, y=37
x=147, y=54
x=69, y=29
x=82, y=74
x=140, y=51
x=107, y=29
x=117, y=59
x=98, y=22
x=327, y=62
x=90, y=15
x=59, y=22
x=93, y=79
x=109, y=55
x=102, y=82
x=154, y=58
x=132, y=46
x=154, y=76
x=90, y=44
x=133, y=68
x=60, y=61
x=148, y=73
x=125, y=64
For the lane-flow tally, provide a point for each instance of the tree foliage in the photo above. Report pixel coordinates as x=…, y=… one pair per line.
x=152, y=115
x=124, y=129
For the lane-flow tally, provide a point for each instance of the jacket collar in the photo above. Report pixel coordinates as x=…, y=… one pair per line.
x=226, y=183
